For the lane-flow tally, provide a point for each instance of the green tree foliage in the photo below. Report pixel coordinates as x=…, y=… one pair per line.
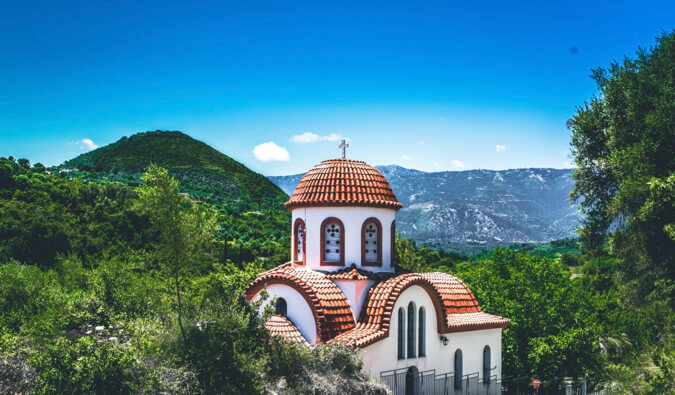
x=183, y=229
x=175, y=150
x=87, y=366
x=545, y=336
x=230, y=352
x=42, y=216
x=252, y=217
x=623, y=144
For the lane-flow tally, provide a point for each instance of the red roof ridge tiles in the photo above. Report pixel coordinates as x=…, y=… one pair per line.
x=281, y=326
x=343, y=182
x=355, y=273
x=455, y=305
x=332, y=312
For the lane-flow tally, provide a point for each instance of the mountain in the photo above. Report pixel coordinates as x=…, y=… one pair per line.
x=181, y=154
x=252, y=205
x=480, y=207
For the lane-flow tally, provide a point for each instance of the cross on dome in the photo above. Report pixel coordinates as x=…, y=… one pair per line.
x=344, y=146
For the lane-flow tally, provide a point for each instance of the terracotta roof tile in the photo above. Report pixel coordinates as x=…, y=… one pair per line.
x=456, y=308
x=278, y=325
x=354, y=273
x=332, y=312
x=343, y=182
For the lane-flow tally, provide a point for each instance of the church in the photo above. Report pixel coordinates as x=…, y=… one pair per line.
x=417, y=332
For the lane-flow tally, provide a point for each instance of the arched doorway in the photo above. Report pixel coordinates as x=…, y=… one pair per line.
x=280, y=307
x=411, y=385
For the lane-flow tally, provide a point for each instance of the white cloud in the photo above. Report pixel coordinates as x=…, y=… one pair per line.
x=457, y=164
x=87, y=144
x=305, y=138
x=331, y=137
x=309, y=137
x=500, y=148
x=270, y=152
x=406, y=157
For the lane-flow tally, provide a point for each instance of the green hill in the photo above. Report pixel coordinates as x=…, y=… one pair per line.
x=254, y=220
x=180, y=153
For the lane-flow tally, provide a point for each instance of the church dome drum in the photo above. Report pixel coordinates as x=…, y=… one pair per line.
x=343, y=213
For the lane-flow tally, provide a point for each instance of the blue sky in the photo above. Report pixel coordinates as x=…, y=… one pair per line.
x=426, y=85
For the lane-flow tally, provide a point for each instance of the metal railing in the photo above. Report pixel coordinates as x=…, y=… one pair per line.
x=395, y=380
x=409, y=381
x=404, y=382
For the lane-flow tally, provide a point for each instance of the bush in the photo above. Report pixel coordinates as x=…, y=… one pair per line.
x=320, y=369
x=29, y=298
x=229, y=352
x=87, y=366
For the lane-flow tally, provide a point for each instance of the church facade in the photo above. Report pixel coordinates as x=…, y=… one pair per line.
x=417, y=332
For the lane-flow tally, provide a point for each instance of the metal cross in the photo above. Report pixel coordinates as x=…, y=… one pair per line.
x=344, y=146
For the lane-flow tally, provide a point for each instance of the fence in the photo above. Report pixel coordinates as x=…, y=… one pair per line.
x=408, y=381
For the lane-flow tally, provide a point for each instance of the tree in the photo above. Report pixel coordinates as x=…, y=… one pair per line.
x=552, y=319
x=623, y=144
x=184, y=230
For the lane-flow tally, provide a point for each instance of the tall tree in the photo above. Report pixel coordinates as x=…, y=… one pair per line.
x=623, y=144
x=184, y=229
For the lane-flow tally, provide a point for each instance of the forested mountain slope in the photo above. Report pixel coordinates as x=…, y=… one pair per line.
x=176, y=151
x=253, y=220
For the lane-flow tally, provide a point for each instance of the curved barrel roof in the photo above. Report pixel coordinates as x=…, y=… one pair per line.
x=332, y=313
x=456, y=308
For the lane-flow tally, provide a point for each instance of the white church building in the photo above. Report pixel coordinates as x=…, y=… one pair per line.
x=417, y=332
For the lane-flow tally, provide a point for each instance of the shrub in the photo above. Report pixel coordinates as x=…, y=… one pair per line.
x=87, y=366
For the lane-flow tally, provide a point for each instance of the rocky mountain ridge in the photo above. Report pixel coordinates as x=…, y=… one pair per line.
x=481, y=207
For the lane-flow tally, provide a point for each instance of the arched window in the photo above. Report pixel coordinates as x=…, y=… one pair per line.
x=422, y=346
x=412, y=381
x=393, y=244
x=280, y=307
x=486, y=364
x=458, y=369
x=401, y=333
x=299, y=241
x=411, y=330
x=332, y=242
x=371, y=243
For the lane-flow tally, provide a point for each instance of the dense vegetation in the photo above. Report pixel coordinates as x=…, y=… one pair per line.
x=129, y=293
x=624, y=146
x=253, y=221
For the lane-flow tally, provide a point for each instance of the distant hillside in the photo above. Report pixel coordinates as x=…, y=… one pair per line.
x=178, y=152
x=480, y=207
x=253, y=205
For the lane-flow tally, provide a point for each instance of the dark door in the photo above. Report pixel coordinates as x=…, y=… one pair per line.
x=410, y=381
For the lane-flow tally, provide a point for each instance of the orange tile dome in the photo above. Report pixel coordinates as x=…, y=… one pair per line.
x=343, y=182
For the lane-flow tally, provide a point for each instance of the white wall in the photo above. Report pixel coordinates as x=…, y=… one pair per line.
x=383, y=355
x=355, y=291
x=353, y=219
x=299, y=312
